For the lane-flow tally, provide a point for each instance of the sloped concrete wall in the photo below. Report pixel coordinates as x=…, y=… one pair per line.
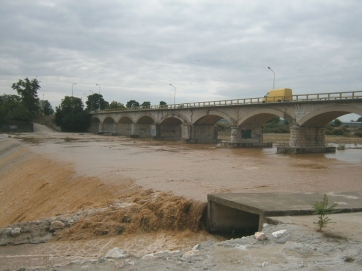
x=17, y=127
x=224, y=219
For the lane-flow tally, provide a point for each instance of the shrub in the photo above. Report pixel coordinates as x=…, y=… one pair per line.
x=337, y=132
x=322, y=210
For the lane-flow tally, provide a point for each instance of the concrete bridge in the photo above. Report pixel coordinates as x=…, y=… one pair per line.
x=307, y=115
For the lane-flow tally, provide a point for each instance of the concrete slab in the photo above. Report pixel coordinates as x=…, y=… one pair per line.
x=298, y=150
x=227, y=209
x=247, y=144
x=346, y=225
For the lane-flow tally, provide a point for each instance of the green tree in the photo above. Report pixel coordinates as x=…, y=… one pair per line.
x=359, y=119
x=274, y=125
x=28, y=90
x=70, y=115
x=337, y=123
x=275, y=120
x=132, y=103
x=12, y=109
x=146, y=104
x=93, y=102
x=115, y=105
x=46, y=108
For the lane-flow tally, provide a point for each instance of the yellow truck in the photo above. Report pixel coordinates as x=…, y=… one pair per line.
x=278, y=95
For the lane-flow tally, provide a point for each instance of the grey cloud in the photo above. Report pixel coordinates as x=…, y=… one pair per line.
x=210, y=50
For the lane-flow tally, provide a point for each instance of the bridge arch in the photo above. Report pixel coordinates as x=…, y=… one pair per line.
x=170, y=128
x=109, y=125
x=124, y=126
x=172, y=118
x=145, y=119
x=258, y=117
x=212, y=118
x=94, y=125
x=125, y=119
x=322, y=116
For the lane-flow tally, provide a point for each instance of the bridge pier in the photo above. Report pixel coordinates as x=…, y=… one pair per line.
x=141, y=130
x=101, y=128
x=185, y=133
x=155, y=130
x=306, y=139
x=247, y=137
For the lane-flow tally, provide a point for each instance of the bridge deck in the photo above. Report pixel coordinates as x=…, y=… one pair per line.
x=248, y=211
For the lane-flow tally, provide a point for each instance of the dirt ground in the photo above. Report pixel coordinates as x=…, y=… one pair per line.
x=47, y=174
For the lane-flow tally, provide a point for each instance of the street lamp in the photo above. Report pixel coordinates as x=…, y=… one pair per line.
x=91, y=100
x=72, y=88
x=99, y=86
x=174, y=95
x=274, y=76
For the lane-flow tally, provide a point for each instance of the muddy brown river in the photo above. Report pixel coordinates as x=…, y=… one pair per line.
x=194, y=171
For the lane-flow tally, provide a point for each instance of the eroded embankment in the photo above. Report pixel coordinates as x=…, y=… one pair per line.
x=33, y=187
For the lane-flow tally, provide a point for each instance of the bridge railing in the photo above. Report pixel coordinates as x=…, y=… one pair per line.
x=295, y=98
x=328, y=96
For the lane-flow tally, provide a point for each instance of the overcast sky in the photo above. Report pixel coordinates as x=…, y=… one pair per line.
x=208, y=50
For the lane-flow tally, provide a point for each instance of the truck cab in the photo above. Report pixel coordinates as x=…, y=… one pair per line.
x=278, y=95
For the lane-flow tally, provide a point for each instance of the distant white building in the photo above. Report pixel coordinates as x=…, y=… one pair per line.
x=352, y=124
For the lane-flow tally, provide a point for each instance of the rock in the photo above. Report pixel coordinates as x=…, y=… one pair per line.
x=148, y=256
x=129, y=262
x=116, y=253
x=15, y=232
x=278, y=234
x=5, y=232
x=260, y=236
x=56, y=225
x=196, y=247
x=191, y=253
x=119, y=265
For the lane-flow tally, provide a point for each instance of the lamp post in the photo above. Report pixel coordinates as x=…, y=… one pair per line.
x=72, y=88
x=274, y=76
x=174, y=95
x=99, y=86
x=91, y=100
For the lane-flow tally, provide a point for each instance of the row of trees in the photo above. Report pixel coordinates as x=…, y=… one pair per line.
x=26, y=105
x=72, y=115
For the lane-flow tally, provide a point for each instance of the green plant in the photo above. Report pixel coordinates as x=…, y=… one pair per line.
x=322, y=210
